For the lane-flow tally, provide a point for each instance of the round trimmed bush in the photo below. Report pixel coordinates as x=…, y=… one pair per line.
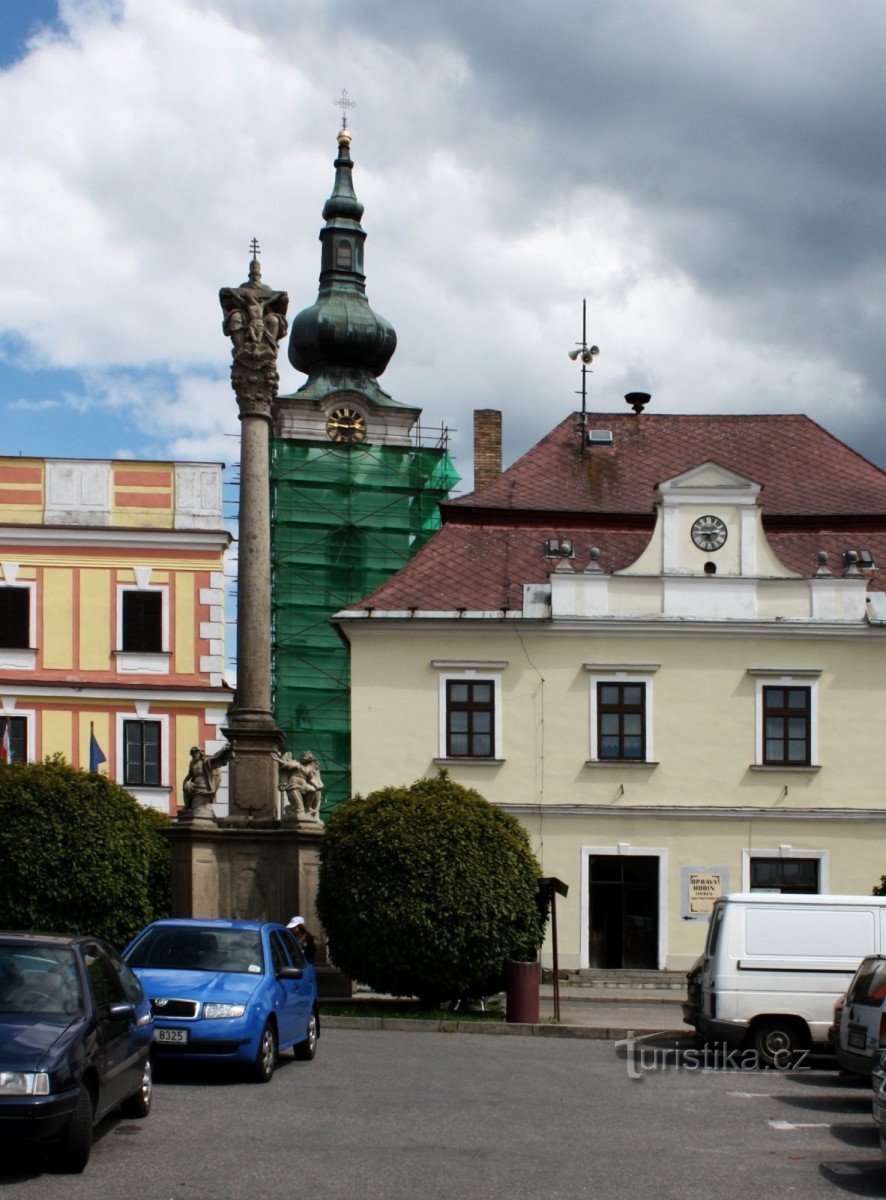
x=79, y=854
x=427, y=891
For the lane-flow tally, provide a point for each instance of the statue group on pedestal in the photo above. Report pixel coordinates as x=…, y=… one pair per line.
x=301, y=787
x=203, y=780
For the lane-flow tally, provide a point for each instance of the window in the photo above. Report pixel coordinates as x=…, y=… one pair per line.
x=621, y=714
x=141, y=753
x=343, y=255
x=18, y=738
x=787, y=726
x=142, y=622
x=785, y=736
x=295, y=950
x=470, y=718
x=789, y=876
x=15, y=606
x=621, y=720
x=278, y=954
x=106, y=985
x=470, y=710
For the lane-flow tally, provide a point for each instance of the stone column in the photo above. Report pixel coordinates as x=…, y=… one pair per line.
x=255, y=321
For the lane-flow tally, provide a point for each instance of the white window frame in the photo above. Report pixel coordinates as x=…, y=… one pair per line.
x=155, y=795
x=131, y=662
x=23, y=658
x=776, y=677
x=622, y=673
x=624, y=850
x=465, y=671
x=30, y=715
x=823, y=857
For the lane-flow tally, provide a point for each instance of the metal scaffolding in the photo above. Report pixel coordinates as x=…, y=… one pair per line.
x=344, y=519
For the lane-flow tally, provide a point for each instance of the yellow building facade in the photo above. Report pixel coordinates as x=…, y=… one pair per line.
x=673, y=711
x=112, y=621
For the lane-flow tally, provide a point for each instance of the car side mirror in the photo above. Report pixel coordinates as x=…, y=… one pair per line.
x=120, y=1010
x=290, y=973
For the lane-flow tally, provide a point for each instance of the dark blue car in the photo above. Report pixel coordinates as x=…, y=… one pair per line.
x=75, y=1038
x=227, y=991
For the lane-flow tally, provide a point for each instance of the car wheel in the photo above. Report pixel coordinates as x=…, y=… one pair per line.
x=139, y=1103
x=306, y=1050
x=76, y=1142
x=266, y=1058
x=776, y=1042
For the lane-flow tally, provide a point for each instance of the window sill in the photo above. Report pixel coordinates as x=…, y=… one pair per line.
x=800, y=767
x=131, y=663
x=633, y=763
x=24, y=659
x=150, y=795
x=469, y=762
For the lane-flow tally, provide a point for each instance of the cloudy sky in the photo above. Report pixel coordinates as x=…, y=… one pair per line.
x=710, y=176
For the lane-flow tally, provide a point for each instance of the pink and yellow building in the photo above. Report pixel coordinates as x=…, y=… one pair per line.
x=112, y=618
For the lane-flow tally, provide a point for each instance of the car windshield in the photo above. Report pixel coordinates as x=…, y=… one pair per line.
x=186, y=948
x=39, y=979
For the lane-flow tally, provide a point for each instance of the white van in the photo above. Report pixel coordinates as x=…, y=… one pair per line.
x=774, y=966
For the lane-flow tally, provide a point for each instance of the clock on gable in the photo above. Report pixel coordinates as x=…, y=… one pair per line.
x=709, y=532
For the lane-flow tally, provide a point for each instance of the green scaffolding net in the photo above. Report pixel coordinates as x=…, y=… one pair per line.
x=344, y=519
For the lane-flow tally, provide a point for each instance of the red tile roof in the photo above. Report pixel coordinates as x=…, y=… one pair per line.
x=803, y=468
x=818, y=494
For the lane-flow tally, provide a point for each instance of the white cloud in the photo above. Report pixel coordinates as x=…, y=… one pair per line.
x=714, y=194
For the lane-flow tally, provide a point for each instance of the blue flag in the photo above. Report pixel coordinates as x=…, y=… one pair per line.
x=96, y=754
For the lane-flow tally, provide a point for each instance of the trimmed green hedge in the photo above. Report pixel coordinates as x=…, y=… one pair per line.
x=427, y=890
x=79, y=854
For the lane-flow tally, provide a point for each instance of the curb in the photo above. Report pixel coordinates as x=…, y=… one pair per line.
x=594, y=1033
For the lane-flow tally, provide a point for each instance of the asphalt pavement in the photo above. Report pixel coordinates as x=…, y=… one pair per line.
x=384, y=1116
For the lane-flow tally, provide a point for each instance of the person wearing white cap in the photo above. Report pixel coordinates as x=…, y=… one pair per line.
x=305, y=939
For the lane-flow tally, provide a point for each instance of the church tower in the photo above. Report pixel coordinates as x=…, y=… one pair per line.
x=354, y=492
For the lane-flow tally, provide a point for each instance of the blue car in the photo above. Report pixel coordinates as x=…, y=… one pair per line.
x=227, y=991
x=75, y=1039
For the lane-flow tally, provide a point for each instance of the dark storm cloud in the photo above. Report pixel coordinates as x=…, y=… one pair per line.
x=747, y=138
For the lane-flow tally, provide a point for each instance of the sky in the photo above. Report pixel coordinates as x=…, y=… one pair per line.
x=709, y=177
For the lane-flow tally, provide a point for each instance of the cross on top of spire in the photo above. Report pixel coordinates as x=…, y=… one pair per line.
x=255, y=248
x=344, y=104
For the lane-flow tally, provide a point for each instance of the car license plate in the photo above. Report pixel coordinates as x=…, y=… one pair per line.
x=176, y=1036
x=857, y=1037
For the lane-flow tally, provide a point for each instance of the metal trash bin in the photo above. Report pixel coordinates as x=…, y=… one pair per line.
x=522, y=980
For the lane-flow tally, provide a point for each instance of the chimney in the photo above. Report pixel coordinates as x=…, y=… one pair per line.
x=487, y=446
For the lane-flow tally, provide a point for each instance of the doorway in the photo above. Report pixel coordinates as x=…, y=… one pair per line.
x=623, y=911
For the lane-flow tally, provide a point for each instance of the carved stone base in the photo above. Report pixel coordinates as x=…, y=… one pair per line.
x=254, y=871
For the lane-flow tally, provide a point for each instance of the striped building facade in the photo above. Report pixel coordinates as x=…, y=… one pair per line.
x=112, y=616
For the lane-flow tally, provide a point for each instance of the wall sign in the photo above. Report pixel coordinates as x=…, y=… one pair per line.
x=699, y=888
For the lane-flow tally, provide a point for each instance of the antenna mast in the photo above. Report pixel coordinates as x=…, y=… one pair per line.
x=587, y=354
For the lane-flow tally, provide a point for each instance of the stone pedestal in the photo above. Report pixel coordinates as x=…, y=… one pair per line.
x=263, y=871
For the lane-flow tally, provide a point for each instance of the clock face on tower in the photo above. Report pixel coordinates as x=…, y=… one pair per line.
x=709, y=533
x=345, y=424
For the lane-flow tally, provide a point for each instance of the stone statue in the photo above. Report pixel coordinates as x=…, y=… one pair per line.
x=301, y=784
x=203, y=780
x=255, y=321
